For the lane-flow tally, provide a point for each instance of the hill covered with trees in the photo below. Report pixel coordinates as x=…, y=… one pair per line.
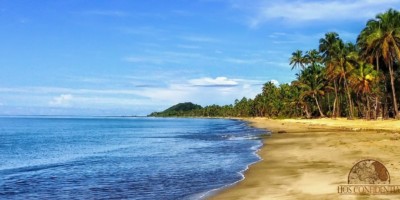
x=336, y=79
x=180, y=109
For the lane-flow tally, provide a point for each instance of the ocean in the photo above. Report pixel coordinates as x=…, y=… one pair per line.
x=122, y=158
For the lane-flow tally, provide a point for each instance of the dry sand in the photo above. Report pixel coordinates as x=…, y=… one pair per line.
x=313, y=157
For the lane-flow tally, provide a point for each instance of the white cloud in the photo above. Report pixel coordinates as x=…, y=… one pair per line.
x=204, y=91
x=54, y=90
x=108, y=102
x=275, y=82
x=174, y=93
x=193, y=38
x=185, y=56
x=184, y=46
x=210, y=82
x=244, y=61
x=63, y=100
x=164, y=57
x=94, y=80
x=177, y=93
x=112, y=13
x=274, y=64
x=144, y=31
x=145, y=59
x=304, y=10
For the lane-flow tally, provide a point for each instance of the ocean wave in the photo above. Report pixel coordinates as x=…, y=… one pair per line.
x=246, y=137
x=207, y=194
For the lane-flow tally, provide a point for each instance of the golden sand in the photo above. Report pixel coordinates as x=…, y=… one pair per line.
x=312, y=157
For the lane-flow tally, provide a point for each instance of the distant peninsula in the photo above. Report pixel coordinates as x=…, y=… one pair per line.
x=180, y=109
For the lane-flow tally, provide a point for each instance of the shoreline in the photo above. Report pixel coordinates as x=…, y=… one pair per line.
x=308, y=159
x=211, y=193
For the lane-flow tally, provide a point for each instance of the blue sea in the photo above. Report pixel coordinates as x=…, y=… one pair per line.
x=122, y=158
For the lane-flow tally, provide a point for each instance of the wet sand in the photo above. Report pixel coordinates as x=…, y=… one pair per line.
x=308, y=159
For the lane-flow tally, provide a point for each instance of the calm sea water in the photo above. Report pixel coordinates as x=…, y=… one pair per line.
x=122, y=158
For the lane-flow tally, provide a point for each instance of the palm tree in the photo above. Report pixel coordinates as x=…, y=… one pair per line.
x=340, y=68
x=381, y=39
x=298, y=101
x=297, y=60
x=328, y=48
x=269, y=93
x=260, y=105
x=363, y=80
x=313, y=58
x=371, y=55
x=327, y=45
x=311, y=83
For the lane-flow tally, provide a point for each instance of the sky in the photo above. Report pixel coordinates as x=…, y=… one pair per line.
x=132, y=57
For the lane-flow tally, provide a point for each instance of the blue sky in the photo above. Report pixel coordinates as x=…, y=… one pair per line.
x=128, y=57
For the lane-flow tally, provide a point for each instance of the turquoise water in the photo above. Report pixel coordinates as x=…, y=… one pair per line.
x=122, y=158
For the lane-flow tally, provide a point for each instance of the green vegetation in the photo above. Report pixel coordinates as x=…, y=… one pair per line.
x=340, y=79
x=181, y=109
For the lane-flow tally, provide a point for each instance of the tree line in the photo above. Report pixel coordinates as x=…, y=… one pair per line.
x=337, y=79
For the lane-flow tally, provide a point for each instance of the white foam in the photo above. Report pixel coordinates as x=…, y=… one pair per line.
x=248, y=137
x=212, y=192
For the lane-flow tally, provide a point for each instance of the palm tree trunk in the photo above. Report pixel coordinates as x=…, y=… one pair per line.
x=376, y=110
x=334, y=109
x=329, y=103
x=348, y=93
x=340, y=99
x=368, y=114
x=349, y=99
x=396, y=110
x=386, y=107
x=319, y=107
x=308, y=115
x=384, y=100
x=335, y=102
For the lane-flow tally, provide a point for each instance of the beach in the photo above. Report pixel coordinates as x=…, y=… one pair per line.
x=309, y=159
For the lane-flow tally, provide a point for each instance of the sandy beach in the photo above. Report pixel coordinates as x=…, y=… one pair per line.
x=308, y=159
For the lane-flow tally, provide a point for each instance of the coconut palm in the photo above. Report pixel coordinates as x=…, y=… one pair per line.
x=381, y=39
x=312, y=85
x=328, y=48
x=338, y=67
x=327, y=45
x=297, y=60
x=363, y=81
x=362, y=78
x=313, y=58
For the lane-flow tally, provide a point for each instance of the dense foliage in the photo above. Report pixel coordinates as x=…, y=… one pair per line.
x=338, y=79
x=180, y=109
